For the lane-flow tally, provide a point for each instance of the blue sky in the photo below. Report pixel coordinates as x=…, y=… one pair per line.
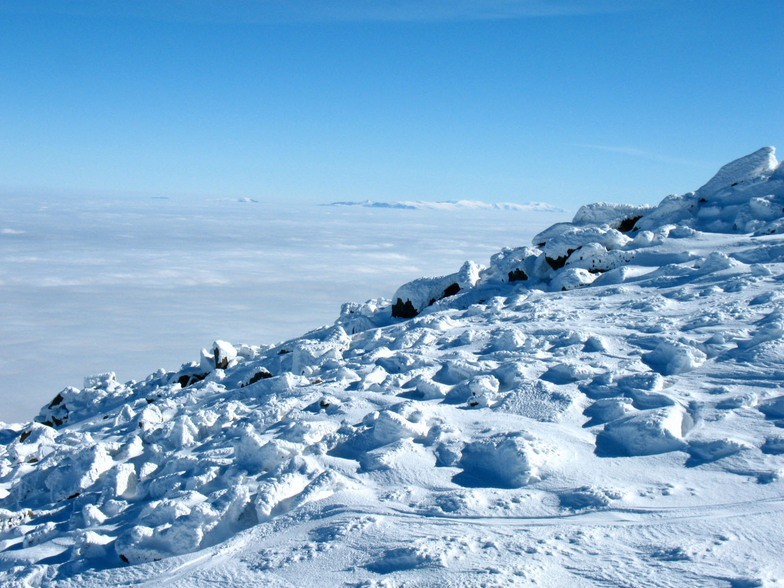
x=504, y=100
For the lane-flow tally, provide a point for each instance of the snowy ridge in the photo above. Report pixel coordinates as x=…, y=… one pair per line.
x=602, y=405
x=452, y=205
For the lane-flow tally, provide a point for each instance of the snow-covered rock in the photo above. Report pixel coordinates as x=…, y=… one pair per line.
x=414, y=297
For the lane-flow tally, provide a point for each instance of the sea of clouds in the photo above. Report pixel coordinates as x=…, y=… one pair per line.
x=130, y=285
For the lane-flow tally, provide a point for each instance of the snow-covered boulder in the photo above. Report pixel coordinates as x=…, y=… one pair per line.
x=618, y=216
x=571, y=278
x=512, y=265
x=223, y=353
x=557, y=248
x=412, y=298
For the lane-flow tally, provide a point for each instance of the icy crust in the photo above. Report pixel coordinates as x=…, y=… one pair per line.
x=641, y=377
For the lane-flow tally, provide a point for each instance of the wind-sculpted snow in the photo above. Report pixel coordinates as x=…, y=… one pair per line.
x=603, y=407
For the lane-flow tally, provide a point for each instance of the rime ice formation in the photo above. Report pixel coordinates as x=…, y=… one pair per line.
x=602, y=405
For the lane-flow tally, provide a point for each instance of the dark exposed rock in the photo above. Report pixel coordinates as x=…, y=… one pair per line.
x=186, y=380
x=517, y=275
x=627, y=224
x=24, y=436
x=221, y=361
x=451, y=290
x=54, y=422
x=558, y=262
x=223, y=354
x=407, y=310
x=404, y=310
x=259, y=375
x=55, y=414
x=283, y=351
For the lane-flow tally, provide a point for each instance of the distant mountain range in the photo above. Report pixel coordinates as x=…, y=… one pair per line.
x=452, y=205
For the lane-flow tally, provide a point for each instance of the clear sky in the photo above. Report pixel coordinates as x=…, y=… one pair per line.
x=500, y=100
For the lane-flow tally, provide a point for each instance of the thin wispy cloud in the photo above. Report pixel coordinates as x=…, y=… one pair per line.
x=272, y=11
x=641, y=153
x=446, y=10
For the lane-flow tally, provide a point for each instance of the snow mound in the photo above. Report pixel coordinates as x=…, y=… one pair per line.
x=645, y=433
x=503, y=461
x=604, y=402
x=671, y=358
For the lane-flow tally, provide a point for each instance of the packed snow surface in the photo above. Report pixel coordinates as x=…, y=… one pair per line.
x=602, y=407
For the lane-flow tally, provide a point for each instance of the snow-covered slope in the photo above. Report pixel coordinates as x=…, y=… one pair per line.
x=604, y=407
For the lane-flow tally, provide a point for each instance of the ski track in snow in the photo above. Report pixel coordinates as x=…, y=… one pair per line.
x=603, y=407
